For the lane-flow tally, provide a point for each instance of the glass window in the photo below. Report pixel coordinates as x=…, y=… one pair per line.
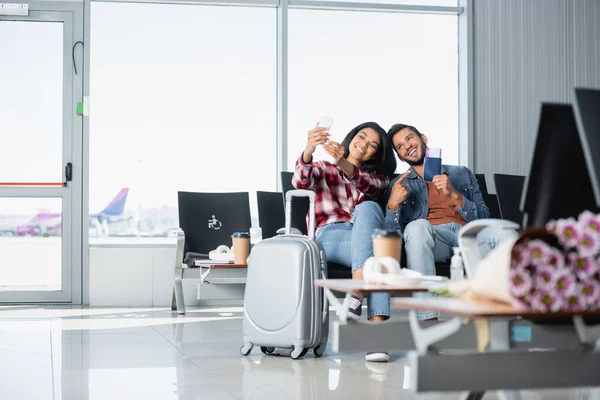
x=183, y=98
x=31, y=101
x=30, y=226
x=365, y=66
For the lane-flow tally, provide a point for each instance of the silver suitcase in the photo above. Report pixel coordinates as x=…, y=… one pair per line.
x=283, y=309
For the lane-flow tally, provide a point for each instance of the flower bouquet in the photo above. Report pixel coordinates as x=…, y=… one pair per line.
x=558, y=268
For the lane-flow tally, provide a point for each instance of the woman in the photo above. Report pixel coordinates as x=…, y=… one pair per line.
x=345, y=218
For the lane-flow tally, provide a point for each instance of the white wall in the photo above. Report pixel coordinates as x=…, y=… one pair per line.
x=141, y=274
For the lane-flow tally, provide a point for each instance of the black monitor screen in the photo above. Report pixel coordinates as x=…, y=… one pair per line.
x=587, y=115
x=558, y=184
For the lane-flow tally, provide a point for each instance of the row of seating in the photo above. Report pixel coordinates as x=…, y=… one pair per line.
x=193, y=212
x=192, y=207
x=509, y=189
x=503, y=205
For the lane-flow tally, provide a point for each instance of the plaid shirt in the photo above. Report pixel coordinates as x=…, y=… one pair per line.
x=337, y=194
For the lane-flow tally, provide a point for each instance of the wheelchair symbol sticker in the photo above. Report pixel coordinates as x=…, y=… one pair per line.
x=214, y=224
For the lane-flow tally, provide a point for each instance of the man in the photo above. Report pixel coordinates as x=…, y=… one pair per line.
x=430, y=214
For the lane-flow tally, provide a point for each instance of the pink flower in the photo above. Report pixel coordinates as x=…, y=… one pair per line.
x=568, y=233
x=589, y=244
x=543, y=300
x=545, y=278
x=590, y=292
x=523, y=301
x=520, y=282
x=575, y=302
x=590, y=222
x=555, y=258
x=538, y=252
x=551, y=226
x=565, y=283
x=519, y=257
x=584, y=267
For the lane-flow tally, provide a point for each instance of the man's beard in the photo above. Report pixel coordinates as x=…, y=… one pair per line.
x=417, y=162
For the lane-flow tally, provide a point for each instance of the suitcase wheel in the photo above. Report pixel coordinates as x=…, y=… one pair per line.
x=319, y=350
x=298, y=352
x=246, y=348
x=267, y=350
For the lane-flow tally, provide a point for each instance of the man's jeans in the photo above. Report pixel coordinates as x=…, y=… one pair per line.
x=350, y=244
x=426, y=244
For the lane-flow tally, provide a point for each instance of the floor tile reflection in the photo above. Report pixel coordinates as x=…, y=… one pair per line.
x=145, y=353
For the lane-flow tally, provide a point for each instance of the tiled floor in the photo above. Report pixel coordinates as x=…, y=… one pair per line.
x=110, y=353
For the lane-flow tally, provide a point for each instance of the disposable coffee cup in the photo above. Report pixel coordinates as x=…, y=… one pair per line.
x=241, y=247
x=387, y=243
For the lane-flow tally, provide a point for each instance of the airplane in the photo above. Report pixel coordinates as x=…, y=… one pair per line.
x=48, y=223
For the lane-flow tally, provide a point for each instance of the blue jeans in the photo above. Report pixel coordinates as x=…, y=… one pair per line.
x=350, y=244
x=427, y=244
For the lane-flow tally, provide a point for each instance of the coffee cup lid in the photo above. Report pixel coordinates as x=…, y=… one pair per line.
x=243, y=235
x=385, y=233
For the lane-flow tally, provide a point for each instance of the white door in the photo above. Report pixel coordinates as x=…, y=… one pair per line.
x=40, y=154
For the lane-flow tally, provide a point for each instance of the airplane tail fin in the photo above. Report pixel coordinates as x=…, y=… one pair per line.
x=117, y=205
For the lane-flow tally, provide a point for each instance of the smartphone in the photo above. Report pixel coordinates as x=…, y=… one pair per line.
x=325, y=122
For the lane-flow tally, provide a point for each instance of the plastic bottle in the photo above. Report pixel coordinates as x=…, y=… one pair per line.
x=456, y=266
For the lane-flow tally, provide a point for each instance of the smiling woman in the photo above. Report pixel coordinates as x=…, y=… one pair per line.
x=346, y=216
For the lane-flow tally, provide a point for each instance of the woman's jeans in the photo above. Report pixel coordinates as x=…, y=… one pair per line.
x=350, y=244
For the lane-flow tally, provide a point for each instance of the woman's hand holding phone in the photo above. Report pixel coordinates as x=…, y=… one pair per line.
x=316, y=136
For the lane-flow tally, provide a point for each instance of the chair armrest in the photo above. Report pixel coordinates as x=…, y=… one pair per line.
x=178, y=233
x=191, y=254
x=467, y=240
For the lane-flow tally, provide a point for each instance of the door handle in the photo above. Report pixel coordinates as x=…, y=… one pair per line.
x=68, y=173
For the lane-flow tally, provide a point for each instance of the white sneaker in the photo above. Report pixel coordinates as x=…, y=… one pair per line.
x=379, y=370
x=377, y=356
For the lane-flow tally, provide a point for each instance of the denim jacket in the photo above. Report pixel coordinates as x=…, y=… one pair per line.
x=416, y=204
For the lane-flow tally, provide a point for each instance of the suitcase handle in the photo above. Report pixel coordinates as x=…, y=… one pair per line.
x=325, y=301
x=288, y=210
